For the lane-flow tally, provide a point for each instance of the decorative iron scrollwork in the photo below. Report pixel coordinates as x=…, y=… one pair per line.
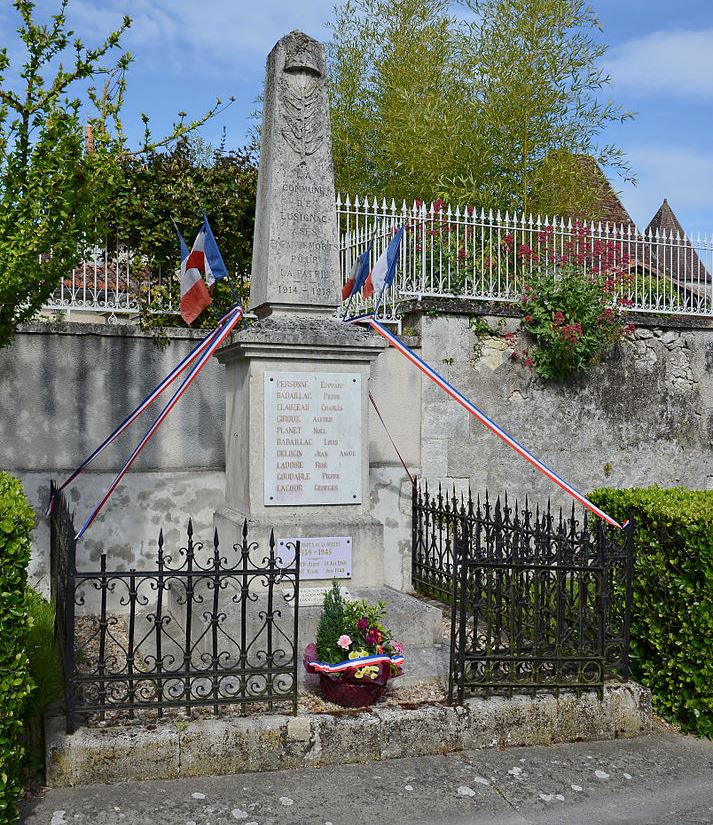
x=202, y=629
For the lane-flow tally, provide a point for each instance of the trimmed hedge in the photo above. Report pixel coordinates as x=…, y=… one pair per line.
x=16, y=523
x=672, y=614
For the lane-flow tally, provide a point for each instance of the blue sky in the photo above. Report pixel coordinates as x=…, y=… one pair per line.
x=189, y=52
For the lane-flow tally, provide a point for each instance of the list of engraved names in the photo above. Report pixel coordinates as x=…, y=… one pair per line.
x=312, y=438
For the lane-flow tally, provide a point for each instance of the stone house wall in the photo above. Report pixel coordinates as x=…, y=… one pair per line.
x=643, y=416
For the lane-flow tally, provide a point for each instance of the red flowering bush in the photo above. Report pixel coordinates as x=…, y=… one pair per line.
x=573, y=316
x=573, y=294
x=457, y=258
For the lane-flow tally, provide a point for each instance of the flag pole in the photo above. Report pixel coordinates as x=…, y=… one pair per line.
x=378, y=303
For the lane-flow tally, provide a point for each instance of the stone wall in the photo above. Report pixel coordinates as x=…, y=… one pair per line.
x=64, y=387
x=643, y=416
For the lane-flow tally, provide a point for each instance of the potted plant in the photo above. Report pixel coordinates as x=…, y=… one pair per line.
x=354, y=655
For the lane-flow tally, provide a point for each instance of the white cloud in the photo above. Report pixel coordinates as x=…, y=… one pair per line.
x=677, y=63
x=212, y=35
x=684, y=176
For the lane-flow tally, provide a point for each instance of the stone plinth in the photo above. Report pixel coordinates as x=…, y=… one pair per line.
x=301, y=346
x=295, y=253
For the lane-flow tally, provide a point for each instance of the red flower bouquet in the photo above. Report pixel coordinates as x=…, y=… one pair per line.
x=355, y=655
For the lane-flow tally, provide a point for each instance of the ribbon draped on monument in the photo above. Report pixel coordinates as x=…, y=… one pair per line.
x=150, y=398
x=488, y=422
x=200, y=354
x=215, y=339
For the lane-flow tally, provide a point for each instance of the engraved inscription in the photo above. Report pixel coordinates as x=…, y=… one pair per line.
x=312, y=438
x=324, y=557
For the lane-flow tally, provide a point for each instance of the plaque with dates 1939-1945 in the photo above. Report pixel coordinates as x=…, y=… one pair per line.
x=312, y=438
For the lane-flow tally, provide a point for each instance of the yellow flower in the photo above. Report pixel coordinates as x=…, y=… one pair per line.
x=371, y=671
x=357, y=654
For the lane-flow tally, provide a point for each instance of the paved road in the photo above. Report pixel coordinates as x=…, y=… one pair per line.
x=656, y=780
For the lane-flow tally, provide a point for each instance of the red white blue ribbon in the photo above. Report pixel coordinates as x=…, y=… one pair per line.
x=150, y=398
x=348, y=664
x=489, y=423
x=214, y=341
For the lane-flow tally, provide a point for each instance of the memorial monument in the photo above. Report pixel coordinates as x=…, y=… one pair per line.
x=297, y=380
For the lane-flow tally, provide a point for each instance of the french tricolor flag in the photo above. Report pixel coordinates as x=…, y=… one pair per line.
x=382, y=275
x=358, y=275
x=194, y=292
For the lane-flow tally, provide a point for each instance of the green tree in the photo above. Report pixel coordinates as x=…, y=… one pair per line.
x=166, y=188
x=536, y=81
x=51, y=190
x=492, y=107
x=395, y=96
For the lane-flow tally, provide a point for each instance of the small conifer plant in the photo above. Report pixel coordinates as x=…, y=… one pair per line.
x=330, y=626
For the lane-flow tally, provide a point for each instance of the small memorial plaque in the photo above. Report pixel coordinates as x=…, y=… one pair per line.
x=314, y=596
x=312, y=438
x=324, y=557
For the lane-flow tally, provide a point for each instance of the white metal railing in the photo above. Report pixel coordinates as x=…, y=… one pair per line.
x=113, y=283
x=485, y=256
x=458, y=253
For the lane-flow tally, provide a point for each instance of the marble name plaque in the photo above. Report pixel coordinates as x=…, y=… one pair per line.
x=324, y=557
x=312, y=438
x=314, y=596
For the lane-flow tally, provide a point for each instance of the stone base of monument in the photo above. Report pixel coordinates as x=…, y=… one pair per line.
x=365, y=535
x=416, y=624
x=266, y=742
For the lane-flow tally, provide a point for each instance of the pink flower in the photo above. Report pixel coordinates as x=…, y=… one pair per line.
x=398, y=647
x=344, y=641
x=363, y=623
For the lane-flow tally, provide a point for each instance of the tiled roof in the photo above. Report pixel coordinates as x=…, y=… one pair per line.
x=676, y=258
x=613, y=211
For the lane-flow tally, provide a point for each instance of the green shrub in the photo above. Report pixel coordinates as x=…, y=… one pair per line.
x=672, y=614
x=16, y=523
x=572, y=320
x=46, y=673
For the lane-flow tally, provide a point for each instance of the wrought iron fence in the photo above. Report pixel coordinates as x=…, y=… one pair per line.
x=114, y=282
x=538, y=600
x=203, y=629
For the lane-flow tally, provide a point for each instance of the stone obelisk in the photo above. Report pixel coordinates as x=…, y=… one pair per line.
x=297, y=380
x=295, y=255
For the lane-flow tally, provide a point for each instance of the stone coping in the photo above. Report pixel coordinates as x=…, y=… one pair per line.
x=460, y=306
x=117, y=330
x=232, y=745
